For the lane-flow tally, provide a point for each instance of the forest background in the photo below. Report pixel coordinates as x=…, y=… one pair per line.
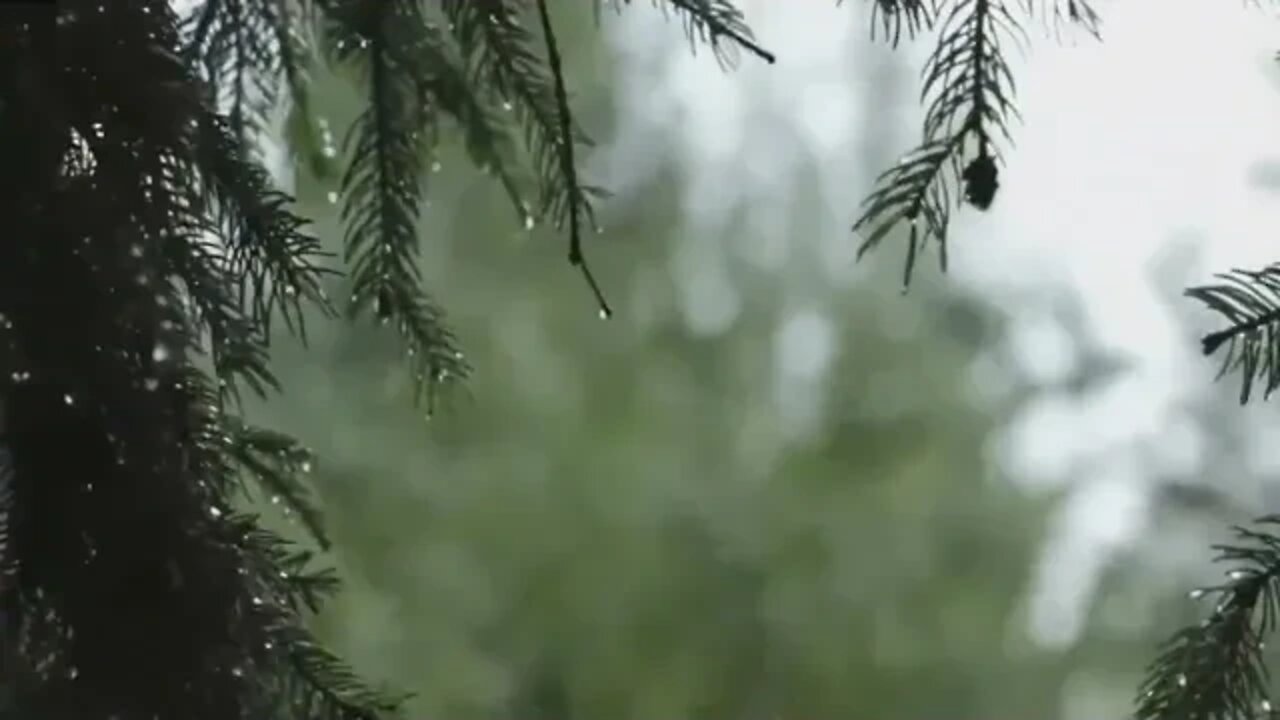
x=772, y=486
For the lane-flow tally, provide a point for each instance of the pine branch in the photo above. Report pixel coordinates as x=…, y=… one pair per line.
x=502, y=56
x=127, y=538
x=277, y=263
x=713, y=22
x=305, y=137
x=382, y=187
x=279, y=586
x=231, y=40
x=893, y=17
x=969, y=89
x=236, y=344
x=1250, y=303
x=1066, y=13
x=276, y=461
x=578, y=206
x=444, y=88
x=1216, y=671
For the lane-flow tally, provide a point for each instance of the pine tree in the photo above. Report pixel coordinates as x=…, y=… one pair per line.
x=147, y=254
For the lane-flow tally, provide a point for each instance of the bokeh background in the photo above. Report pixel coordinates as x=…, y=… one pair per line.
x=774, y=487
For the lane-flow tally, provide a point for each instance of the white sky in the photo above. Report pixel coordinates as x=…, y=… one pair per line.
x=1126, y=144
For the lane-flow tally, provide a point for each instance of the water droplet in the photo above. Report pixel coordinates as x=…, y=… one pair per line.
x=435, y=166
x=135, y=250
x=151, y=384
x=237, y=672
x=160, y=352
x=1265, y=705
x=506, y=105
x=604, y=313
x=68, y=399
x=306, y=466
x=214, y=512
x=1237, y=574
x=1196, y=594
x=1182, y=680
x=332, y=197
x=257, y=600
x=529, y=222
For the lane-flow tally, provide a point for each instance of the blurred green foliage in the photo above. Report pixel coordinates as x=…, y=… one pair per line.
x=609, y=520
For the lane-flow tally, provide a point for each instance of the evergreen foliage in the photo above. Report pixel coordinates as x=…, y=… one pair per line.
x=133, y=188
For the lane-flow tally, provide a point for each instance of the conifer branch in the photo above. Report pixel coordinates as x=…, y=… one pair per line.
x=232, y=42
x=382, y=186
x=289, y=24
x=127, y=539
x=578, y=206
x=969, y=89
x=1216, y=670
x=236, y=346
x=445, y=88
x=892, y=17
x=280, y=585
x=718, y=23
x=276, y=462
x=1249, y=300
x=712, y=22
x=1066, y=13
x=278, y=264
x=501, y=54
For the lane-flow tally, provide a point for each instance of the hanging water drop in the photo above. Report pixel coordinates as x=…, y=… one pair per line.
x=1237, y=574
x=435, y=166
x=332, y=197
x=214, y=512
x=151, y=384
x=529, y=222
x=1265, y=705
x=1196, y=594
x=68, y=399
x=306, y=466
x=160, y=352
x=1182, y=680
x=604, y=313
x=506, y=105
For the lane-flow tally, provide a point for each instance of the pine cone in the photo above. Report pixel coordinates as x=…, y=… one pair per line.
x=980, y=183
